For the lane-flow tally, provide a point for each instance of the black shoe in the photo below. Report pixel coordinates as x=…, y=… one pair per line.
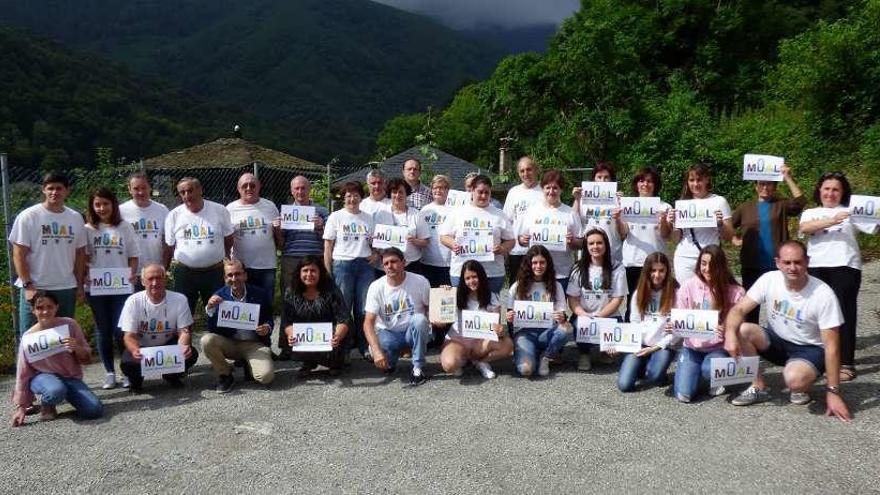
x=391, y=370
x=283, y=355
x=335, y=372
x=417, y=379
x=32, y=409
x=174, y=381
x=305, y=370
x=224, y=383
x=135, y=388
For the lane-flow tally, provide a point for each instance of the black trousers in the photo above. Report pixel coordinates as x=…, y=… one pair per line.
x=513, y=263
x=749, y=277
x=632, y=281
x=131, y=367
x=845, y=282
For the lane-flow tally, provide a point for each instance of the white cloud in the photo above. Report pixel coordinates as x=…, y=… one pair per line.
x=463, y=14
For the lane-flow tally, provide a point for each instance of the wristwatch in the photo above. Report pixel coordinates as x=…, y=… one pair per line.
x=833, y=390
x=28, y=284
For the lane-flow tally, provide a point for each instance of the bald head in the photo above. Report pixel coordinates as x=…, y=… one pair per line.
x=248, y=188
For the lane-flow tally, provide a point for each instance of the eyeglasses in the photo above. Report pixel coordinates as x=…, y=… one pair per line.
x=249, y=185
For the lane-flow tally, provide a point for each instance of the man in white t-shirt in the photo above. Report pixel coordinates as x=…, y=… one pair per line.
x=49, y=250
x=518, y=200
x=376, y=199
x=147, y=217
x=396, y=316
x=199, y=235
x=154, y=317
x=802, y=335
x=257, y=225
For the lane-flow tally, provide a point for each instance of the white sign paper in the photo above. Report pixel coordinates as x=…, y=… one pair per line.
x=479, y=325
x=239, y=315
x=589, y=330
x=296, y=217
x=312, y=337
x=390, y=236
x=162, y=360
x=109, y=281
x=458, y=198
x=763, y=167
x=621, y=337
x=640, y=210
x=475, y=245
x=45, y=343
x=730, y=371
x=532, y=314
x=551, y=236
x=694, y=213
x=864, y=209
x=598, y=193
x=694, y=323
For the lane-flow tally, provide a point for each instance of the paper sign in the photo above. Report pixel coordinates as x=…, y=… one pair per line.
x=763, y=167
x=45, y=343
x=458, y=198
x=532, y=314
x=697, y=324
x=109, y=281
x=730, y=371
x=479, y=325
x=475, y=245
x=599, y=193
x=390, y=236
x=551, y=236
x=640, y=210
x=296, y=217
x=621, y=337
x=162, y=360
x=441, y=306
x=597, y=212
x=589, y=330
x=312, y=337
x=864, y=209
x=243, y=316
x=694, y=213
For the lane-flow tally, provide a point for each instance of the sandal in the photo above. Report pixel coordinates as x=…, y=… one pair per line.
x=847, y=374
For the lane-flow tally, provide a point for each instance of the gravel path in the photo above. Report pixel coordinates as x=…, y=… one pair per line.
x=365, y=432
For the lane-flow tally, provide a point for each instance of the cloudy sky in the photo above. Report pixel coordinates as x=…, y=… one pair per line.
x=463, y=14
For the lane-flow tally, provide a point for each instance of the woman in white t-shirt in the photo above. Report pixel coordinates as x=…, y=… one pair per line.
x=406, y=216
x=473, y=294
x=536, y=282
x=698, y=185
x=552, y=213
x=835, y=257
x=643, y=239
x=597, y=287
x=111, y=244
x=347, y=254
x=613, y=227
x=435, y=256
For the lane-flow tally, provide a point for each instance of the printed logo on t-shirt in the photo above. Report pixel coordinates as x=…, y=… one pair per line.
x=155, y=328
x=108, y=242
x=402, y=303
x=56, y=232
x=433, y=219
x=146, y=228
x=251, y=226
x=198, y=233
x=520, y=208
x=353, y=231
x=787, y=311
x=478, y=223
x=541, y=296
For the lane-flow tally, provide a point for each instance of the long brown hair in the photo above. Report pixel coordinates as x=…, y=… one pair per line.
x=722, y=278
x=583, y=265
x=645, y=289
x=103, y=193
x=702, y=170
x=525, y=277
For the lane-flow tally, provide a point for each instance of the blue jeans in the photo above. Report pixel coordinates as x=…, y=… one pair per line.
x=353, y=277
x=66, y=307
x=263, y=278
x=416, y=337
x=53, y=389
x=651, y=367
x=694, y=369
x=531, y=343
x=495, y=283
x=106, y=310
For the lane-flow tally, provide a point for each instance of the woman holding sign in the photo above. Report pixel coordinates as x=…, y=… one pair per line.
x=596, y=288
x=539, y=334
x=613, y=227
x=473, y=295
x=712, y=288
x=112, y=260
x=650, y=305
x=698, y=186
x=835, y=257
x=53, y=376
x=418, y=236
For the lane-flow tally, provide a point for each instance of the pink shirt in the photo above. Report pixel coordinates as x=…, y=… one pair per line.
x=695, y=294
x=64, y=364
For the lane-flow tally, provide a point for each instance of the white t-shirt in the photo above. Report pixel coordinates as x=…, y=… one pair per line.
x=541, y=215
x=371, y=206
x=474, y=305
x=431, y=218
x=704, y=235
x=351, y=234
x=519, y=199
x=254, y=241
x=157, y=324
x=410, y=220
x=797, y=317
x=53, y=239
x=595, y=298
x=149, y=227
x=198, y=238
x=653, y=322
x=490, y=221
x=538, y=292
x=836, y=245
x=109, y=246
x=395, y=306
x=642, y=240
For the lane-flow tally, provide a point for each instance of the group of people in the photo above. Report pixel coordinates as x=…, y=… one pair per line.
x=376, y=300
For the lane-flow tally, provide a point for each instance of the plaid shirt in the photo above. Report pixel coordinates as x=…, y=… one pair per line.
x=420, y=197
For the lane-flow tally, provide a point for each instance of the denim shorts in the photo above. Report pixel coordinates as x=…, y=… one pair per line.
x=781, y=351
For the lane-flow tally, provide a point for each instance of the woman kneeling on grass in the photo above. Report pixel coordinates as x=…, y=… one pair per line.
x=473, y=294
x=56, y=377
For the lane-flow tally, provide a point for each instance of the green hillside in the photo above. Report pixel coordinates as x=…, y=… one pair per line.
x=330, y=72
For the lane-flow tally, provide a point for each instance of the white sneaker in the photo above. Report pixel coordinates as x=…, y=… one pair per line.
x=125, y=382
x=486, y=369
x=544, y=366
x=800, y=398
x=585, y=363
x=109, y=381
x=716, y=391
